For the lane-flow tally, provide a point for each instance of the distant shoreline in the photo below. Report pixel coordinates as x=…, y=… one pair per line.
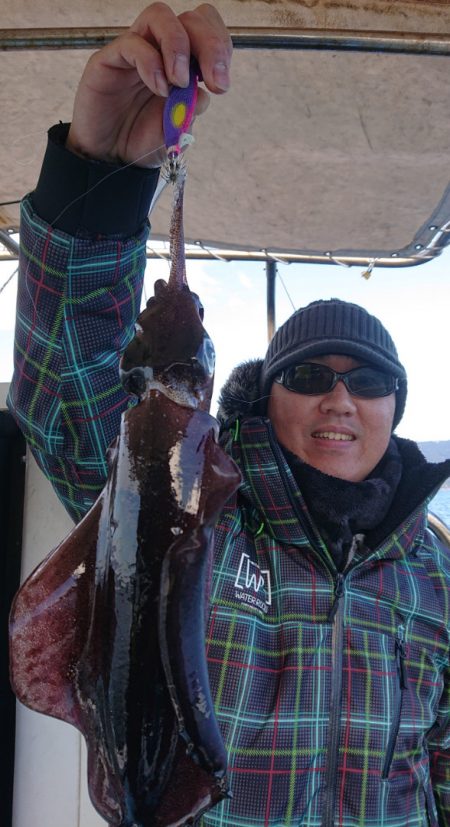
x=437, y=451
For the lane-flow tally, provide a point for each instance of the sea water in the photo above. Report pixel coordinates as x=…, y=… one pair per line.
x=440, y=505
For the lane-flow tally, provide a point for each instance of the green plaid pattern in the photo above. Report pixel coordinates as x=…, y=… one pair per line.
x=78, y=299
x=273, y=664
x=335, y=710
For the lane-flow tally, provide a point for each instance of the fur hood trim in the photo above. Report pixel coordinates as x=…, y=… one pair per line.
x=240, y=395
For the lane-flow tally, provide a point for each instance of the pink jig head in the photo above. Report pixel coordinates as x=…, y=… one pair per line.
x=178, y=114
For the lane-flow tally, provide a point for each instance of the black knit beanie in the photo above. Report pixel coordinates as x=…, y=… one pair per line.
x=334, y=326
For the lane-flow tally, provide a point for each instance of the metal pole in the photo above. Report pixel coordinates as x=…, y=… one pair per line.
x=244, y=38
x=10, y=244
x=271, y=274
x=207, y=254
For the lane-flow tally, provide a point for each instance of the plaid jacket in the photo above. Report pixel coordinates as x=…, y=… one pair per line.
x=332, y=690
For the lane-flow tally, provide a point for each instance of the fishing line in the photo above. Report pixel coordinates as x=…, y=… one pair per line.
x=120, y=169
x=31, y=156
x=163, y=256
x=83, y=195
x=211, y=252
x=9, y=279
x=61, y=213
x=105, y=178
x=286, y=291
x=74, y=201
x=246, y=400
x=167, y=260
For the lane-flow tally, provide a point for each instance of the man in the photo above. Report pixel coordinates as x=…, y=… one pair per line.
x=328, y=637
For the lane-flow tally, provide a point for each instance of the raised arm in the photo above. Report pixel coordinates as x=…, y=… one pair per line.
x=134, y=72
x=83, y=237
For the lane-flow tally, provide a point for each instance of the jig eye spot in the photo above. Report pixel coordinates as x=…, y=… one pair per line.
x=178, y=114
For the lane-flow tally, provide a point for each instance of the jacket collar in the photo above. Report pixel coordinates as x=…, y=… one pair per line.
x=269, y=488
x=268, y=484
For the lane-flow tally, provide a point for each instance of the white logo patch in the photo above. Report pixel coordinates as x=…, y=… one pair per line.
x=250, y=581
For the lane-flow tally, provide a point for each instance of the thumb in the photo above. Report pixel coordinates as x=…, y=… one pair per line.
x=202, y=102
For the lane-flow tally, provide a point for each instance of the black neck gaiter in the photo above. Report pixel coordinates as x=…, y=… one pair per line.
x=341, y=508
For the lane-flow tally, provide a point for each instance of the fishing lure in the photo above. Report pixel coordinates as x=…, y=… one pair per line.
x=177, y=119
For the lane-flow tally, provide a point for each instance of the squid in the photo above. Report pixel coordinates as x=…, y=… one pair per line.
x=108, y=633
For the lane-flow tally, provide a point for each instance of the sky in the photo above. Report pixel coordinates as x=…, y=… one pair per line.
x=413, y=303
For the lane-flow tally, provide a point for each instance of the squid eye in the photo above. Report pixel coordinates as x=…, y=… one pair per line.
x=198, y=304
x=209, y=355
x=133, y=381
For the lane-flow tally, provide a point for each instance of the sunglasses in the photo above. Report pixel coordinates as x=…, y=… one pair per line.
x=311, y=378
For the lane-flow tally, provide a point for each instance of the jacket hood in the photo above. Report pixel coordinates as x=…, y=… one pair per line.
x=240, y=395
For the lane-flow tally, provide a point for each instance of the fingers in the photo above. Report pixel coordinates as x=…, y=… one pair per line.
x=211, y=44
x=159, y=26
x=130, y=51
x=173, y=39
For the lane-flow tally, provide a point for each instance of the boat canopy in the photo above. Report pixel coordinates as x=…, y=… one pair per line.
x=333, y=143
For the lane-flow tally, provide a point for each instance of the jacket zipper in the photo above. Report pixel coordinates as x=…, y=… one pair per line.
x=401, y=685
x=336, y=616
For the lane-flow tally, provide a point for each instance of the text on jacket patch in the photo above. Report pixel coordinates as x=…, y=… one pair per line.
x=252, y=584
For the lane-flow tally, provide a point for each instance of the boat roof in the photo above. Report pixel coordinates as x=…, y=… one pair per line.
x=332, y=144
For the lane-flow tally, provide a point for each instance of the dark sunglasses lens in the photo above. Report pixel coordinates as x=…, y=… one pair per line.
x=309, y=378
x=370, y=382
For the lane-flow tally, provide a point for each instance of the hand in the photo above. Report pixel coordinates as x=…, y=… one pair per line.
x=120, y=99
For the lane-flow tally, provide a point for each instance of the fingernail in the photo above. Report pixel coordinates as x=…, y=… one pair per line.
x=181, y=70
x=161, y=84
x=221, y=76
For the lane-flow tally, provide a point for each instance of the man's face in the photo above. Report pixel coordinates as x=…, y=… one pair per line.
x=340, y=434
